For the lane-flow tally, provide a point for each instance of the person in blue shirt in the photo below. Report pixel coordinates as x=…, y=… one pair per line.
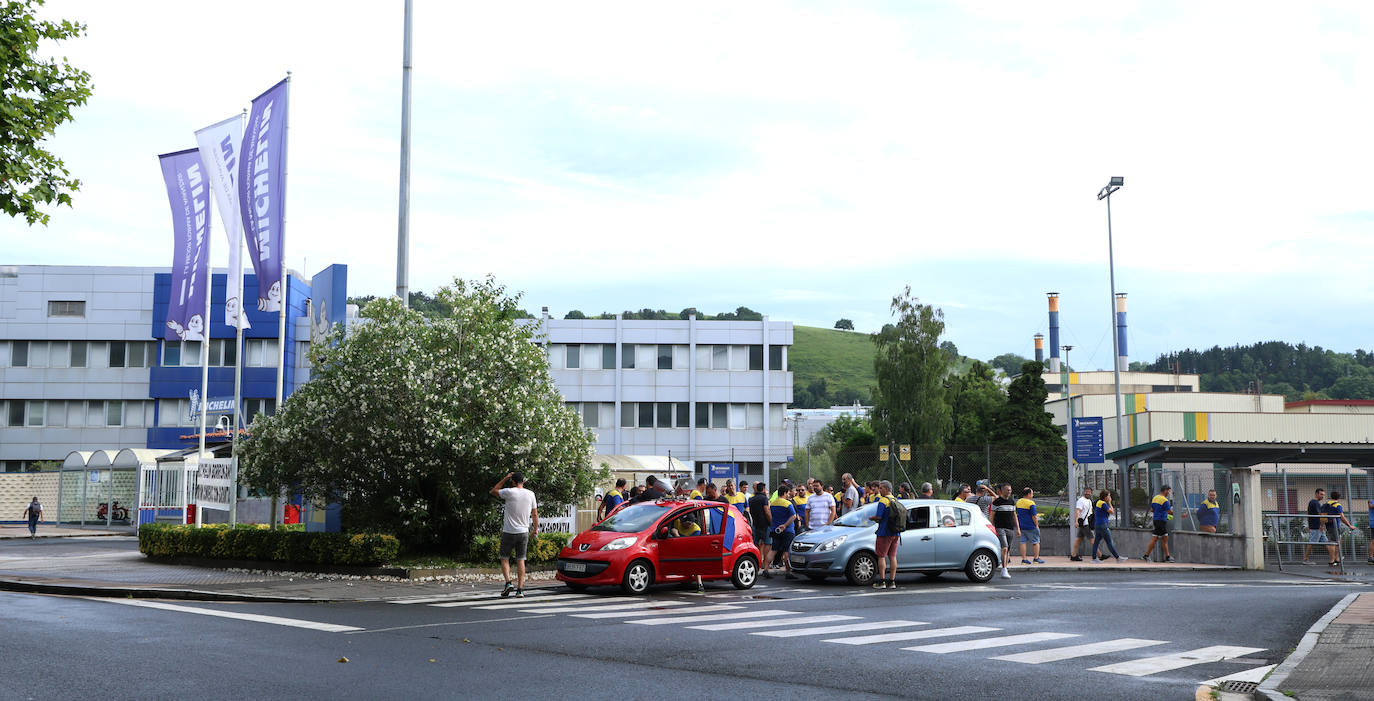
x=784, y=516
x=613, y=498
x=1209, y=513
x=1028, y=517
x=1102, y=532
x=886, y=539
x=1161, y=510
x=1335, y=517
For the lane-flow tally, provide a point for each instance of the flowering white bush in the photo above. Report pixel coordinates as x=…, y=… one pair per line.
x=408, y=421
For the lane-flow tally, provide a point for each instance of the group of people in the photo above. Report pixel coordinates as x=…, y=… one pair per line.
x=1324, y=521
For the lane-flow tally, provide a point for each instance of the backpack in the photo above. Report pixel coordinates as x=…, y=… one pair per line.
x=896, y=516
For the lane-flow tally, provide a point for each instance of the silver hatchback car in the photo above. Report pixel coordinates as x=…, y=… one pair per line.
x=941, y=536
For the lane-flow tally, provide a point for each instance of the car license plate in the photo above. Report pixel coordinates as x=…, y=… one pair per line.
x=574, y=567
x=798, y=562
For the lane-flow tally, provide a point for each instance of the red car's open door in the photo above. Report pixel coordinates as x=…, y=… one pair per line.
x=697, y=547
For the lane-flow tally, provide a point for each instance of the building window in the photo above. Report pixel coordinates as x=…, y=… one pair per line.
x=36, y=411
x=16, y=413
x=737, y=418
x=608, y=356
x=775, y=358
x=665, y=414
x=627, y=414
x=684, y=414
x=574, y=356
x=753, y=416
x=56, y=308
x=78, y=351
x=720, y=358
x=590, y=414
x=719, y=415
x=646, y=356
x=739, y=357
x=646, y=414
x=260, y=353
x=627, y=356
x=117, y=354
x=755, y=357
x=57, y=414
x=703, y=415
x=253, y=407
x=114, y=412
x=665, y=357
x=19, y=354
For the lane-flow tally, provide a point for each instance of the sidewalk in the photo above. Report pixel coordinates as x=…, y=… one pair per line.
x=1062, y=563
x=49, y=531
x=1333, y=659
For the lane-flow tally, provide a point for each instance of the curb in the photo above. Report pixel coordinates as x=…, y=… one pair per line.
x=1269, y=688
x=71, y=535
x=144, y=593
x=1125, y=568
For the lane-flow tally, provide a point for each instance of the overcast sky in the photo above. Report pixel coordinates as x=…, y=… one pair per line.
x=807, y=160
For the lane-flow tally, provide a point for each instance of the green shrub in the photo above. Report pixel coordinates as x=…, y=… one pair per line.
x=252, y=543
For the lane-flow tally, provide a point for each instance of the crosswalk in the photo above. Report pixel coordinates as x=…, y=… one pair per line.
x=715, y=614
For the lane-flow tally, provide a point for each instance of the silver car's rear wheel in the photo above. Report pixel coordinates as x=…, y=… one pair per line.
x=980, y=566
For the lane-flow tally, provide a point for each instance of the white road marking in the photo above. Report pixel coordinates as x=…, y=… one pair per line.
x=727, y=616
x=1255, y=675
x=912, y=635
x=449, y=623
x=528, y=599
x=984, y=643
x=597, y=608
x=458, y=597
x=1057, y=654
x=743, y=625
x=549, y=603
x=847, y=628
x=236, y=615
x=627, y=614
x=1164, y=663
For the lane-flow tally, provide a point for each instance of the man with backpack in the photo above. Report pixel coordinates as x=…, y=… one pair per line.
x=891, y=518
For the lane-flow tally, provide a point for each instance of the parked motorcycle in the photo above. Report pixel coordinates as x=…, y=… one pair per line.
x=121, y=513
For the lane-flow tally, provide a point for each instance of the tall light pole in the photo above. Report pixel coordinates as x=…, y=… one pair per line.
x=1105, y=193
x=403, y=225
x=1072, y=496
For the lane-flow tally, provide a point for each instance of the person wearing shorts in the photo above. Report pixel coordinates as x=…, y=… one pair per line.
x=1161, y=510
x=1028, y=525
x=521, y=520
x=886, y=539
x=1004, y=520
x=1316, y=530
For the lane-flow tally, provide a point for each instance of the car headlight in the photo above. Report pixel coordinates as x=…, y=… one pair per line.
x=831, y=544
x=619, y=543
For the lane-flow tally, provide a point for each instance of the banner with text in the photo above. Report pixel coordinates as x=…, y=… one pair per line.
x=190, y=200
x=262, y=191
x=215, y=484
x=219, y=152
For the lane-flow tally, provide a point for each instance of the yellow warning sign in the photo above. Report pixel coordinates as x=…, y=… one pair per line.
x=905, y=451
x=882, y=452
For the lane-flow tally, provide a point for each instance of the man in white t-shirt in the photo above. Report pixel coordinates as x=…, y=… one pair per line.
x=1083, y=514
x=820, y=507
x=851, y=494
x=521, y=522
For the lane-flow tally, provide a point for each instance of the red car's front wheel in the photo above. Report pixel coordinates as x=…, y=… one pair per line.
x=637, y=578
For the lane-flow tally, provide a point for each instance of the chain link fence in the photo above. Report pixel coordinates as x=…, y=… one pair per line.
x=1288, y=490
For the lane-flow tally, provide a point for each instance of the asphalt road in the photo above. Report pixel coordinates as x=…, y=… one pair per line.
x=557, y=645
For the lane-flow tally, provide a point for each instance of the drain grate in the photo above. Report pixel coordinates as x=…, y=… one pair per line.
x=1239, y=687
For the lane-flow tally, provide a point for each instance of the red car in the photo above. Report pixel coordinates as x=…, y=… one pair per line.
x=668, y=540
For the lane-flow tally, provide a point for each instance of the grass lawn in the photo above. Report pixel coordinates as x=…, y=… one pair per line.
x=843, y=358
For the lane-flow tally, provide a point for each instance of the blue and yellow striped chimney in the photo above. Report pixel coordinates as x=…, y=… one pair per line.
x=1054, y=331
x=1039, y=348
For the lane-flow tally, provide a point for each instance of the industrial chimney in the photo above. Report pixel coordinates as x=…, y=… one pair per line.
x=1122, y=362
x=1054, y=331
x=1039, y=348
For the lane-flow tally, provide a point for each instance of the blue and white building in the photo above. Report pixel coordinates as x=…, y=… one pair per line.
x=701, y=391
x=84, y=366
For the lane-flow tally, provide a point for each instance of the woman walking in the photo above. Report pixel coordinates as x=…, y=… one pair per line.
x=1102, y=513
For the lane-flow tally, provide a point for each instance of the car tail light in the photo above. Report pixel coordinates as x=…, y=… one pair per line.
x=991, y=528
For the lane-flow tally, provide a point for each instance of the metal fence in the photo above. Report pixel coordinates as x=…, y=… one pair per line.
x=1285, y=495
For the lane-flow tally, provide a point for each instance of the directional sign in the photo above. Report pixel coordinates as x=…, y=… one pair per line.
x=723, y=470
x=1087, y=440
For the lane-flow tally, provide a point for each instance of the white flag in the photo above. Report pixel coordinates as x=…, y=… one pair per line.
x=219, y=151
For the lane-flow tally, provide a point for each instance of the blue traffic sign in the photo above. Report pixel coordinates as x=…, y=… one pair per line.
x=1086, y=437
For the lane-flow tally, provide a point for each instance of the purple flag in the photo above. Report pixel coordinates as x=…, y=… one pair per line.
x=189, y=195
x=262, y=191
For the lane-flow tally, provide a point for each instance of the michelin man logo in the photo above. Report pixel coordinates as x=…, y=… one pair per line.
x=319, y=322
x=272, y=302
x=193, y=331
x=194, y=412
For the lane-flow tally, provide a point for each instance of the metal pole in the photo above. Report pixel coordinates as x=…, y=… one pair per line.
x=1073, y=473
x=204, y=375
x=1350, y=508
x=403, y=227
x=238, y=378
x=1285, y=506
x=1116, y=369
x=285, y=290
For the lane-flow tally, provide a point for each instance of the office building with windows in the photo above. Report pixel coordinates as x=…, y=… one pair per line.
x=84, y=364
x=701, y=391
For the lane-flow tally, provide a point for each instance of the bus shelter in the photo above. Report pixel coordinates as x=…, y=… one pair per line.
x=91, y=489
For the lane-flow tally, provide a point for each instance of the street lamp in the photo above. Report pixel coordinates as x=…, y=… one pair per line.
x=1105, y=193
x=1072, y=491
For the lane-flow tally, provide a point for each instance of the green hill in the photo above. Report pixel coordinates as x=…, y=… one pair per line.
x=840, y=362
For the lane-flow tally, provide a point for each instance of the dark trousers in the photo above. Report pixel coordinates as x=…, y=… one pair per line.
x=1100, y=534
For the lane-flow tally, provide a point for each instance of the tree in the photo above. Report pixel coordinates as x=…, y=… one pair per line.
x=976, y=399
x=844, y=325
x=847, y=431
x=909, y=403
x=408, y=420
x=37, y=96
x=575, y=314
x=1023, y=423
x=1010, y=363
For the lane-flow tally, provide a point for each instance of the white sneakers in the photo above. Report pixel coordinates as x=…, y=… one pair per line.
x=1005, y=574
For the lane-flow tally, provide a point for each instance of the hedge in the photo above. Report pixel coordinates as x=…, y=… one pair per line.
x=253, y=543
x=543, y=549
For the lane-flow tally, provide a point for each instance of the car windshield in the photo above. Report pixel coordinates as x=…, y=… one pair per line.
x=858, y=517
x=631, y=519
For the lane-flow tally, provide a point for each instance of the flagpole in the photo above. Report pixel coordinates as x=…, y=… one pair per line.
x=205, y=350
x=238, y=362
x=285, y=291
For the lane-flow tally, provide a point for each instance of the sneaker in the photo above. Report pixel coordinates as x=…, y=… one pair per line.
x=1038, y=561
x=1097, y=561
x=1170, y=559
x=1370, y=561
x=767, y=574
x=519, y=593
x=1075, y=558
x=880, y=584
x=701, y=589
x=1145, y=558
x=1120, y=559
x=1309, y=563
x=1005, y=574
x=891, y=584
x=506, y=592
x=1025, y=562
